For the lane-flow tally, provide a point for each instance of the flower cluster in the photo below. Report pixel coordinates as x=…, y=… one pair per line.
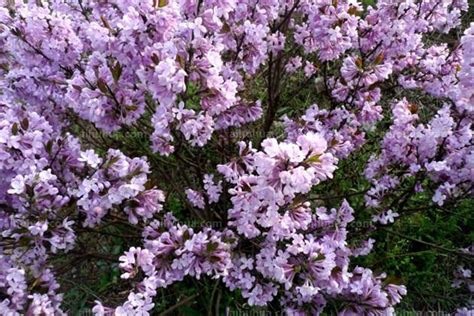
x=442, y=149
x=264, y=181
x=171, y=252
x=47, y=181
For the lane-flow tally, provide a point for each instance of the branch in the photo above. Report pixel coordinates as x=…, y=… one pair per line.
x=179, y=304
x=426, y=243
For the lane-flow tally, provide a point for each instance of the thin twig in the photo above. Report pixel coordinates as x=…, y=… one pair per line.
x=179, y=304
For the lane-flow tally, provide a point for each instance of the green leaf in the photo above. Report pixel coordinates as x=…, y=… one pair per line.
x=212, y=246
x=131, y=108
x=111, y=161
x=49, y=146
x=186, y=235
x=102, y=85
x=380, y=57
x=353, y=11
x=15, y=129
x=116, y=71
x=393, y=279
x=319, y=257
x=313, y=159
x=180, y=61
x=155, y=59
x=25, y=123
x=4, y=66
x=229, y=240
x=225, y=28
x=78, y=88
x=24, y=241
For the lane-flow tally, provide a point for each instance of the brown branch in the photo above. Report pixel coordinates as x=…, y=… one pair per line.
x=429, y=244
x=179, y=304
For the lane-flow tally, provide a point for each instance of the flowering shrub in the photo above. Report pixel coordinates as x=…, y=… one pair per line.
x=114, y=112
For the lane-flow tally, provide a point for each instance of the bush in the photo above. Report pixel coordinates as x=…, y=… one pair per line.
x=211, y=157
